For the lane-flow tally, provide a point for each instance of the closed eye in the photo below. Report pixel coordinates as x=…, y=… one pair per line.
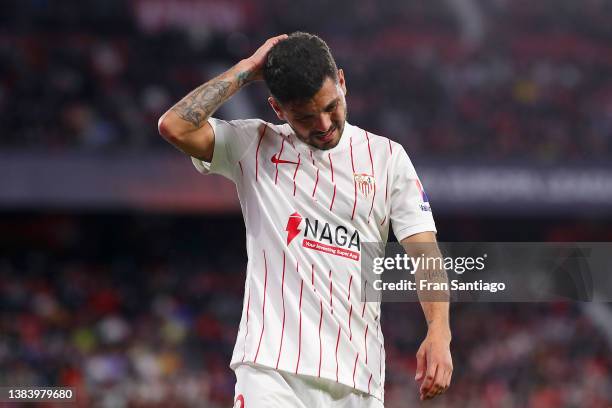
x=332, y=108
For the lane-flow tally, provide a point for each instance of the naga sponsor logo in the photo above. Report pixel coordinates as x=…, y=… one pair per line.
x=324, y=237
x=365, y=182
x=293, y=225
x=339, y=236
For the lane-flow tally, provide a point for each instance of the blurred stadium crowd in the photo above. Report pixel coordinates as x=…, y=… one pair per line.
x=505, y=79
x=115, y=306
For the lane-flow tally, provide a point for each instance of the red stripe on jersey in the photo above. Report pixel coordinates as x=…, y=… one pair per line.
x=387, y=187
x=297, y=365
x=354, y=181
x=331, y=306
x=370, y=152
x=312, y=275
x=337, y=343
x=383, y=221
x=351, y=309
x=349, y=319
x=295, y=172
x=317, y=181
x=263, y=307
x=320, y=342
x=365, y=297
x=349, y=288
x=390, y=148
x=279, y=156
x=372, y=168
x=333, y=197
x=369, y=381
x=355, y=369
x=241, y=171
x=263, y=132
x=247, y=323
x=331, y=166
x=365, y=341
x=280, y=348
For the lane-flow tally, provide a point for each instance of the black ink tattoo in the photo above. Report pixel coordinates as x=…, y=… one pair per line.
x=435, y=274
x=243, y=77
x=197, y=107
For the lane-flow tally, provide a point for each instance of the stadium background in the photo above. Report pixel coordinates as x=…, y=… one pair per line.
x=122, y=269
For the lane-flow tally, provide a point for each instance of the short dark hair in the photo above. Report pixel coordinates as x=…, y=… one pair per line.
x=297, y=67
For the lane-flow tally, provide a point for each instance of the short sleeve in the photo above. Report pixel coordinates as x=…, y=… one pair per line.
x=410, y=210
x=233, y=139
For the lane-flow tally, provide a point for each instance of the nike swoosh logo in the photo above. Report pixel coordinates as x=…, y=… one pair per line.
x=276, y=160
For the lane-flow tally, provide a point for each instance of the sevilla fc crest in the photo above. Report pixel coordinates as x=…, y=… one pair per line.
x=365, y=183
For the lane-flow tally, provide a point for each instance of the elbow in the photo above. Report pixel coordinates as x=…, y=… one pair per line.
x=166, y=131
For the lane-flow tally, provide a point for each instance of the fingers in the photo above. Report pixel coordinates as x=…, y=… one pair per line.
x=438, y=382
x=280, y=37
x=275, y=40
x=421, y=363
x=438, y=386
x=257, y=60
x=429, y=385
x=270, y=42
x=447, y=379
x=434, y=368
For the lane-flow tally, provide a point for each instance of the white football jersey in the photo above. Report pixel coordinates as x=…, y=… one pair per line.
x=307, y=213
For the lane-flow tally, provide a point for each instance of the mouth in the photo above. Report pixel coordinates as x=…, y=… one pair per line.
x=326, y=137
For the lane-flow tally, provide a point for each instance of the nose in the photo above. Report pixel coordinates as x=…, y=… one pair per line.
x=323, y=122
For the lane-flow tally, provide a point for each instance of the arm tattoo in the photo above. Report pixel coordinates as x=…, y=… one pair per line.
x=243, y=77
x=197, y=107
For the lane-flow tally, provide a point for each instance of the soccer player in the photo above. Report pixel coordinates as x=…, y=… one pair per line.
x=311, y=190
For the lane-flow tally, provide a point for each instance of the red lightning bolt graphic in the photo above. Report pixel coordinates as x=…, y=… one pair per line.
x=292, y=226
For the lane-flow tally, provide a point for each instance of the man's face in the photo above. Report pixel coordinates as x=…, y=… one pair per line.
x=318, y=122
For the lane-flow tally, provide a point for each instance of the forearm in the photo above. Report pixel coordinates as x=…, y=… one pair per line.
x=185, y=125
x=437, y=316
x=434, y=302
x=432, y=295
x=434, y=361
x=192, y=112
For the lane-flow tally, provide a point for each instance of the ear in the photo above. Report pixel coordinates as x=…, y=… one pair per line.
x=277, y=108
x=341, y=80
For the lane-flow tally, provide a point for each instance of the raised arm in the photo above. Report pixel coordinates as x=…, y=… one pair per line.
x=186, y=126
